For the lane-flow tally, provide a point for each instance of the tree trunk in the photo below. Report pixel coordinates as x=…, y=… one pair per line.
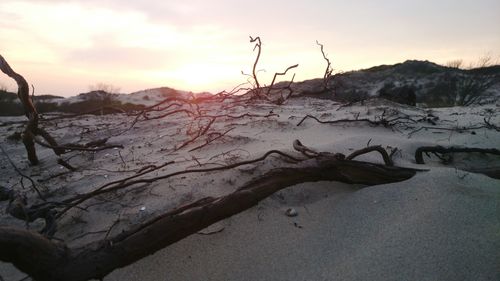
x=46, y=260
x=29, y=109
x=32, y=129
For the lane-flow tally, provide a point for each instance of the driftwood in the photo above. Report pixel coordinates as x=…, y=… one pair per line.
x=33, y=184
x=44, y=259
x=493, y=172
x=32, y=127
x=30, y=111
x=441, y=149
x=387, y=123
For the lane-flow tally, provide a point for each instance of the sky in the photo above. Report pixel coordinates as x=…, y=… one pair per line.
x=65, y=47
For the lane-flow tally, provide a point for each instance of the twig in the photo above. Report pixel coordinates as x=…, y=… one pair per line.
x=65, y=164
x=440, y=149
x=72, y=202
x=309, y=153
x=112, y=226
x=73, y=147
x=387, y=159
x=489, y=125
x=279, y=73
x=339, y=121
x=456, y=129
x=200, y=133
x=208, y=141
x=258, y=45
x=237, y=116
x=328, y=70
x=33, y=185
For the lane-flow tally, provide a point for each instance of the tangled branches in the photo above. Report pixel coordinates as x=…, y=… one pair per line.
x=56, y=261
x=257, y=91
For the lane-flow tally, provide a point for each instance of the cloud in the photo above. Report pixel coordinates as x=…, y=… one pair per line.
x=166, y=11
x=171, y=38
x=118, y=57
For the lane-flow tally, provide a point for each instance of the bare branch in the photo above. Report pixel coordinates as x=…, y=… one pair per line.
x=378, y=148
x=328, y=70
x=339, y=121
x=309, y=153
x=212, y=139
x=112, y=186
x=33, y=185
x=279, y=73
x=29, y=109
x=57, y=262
x=440, y=149
x=91, y=146
x=258, y=46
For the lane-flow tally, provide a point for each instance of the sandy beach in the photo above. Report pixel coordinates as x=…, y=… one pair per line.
x=433, y=227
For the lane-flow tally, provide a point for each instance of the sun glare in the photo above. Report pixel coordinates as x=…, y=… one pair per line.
x=196, y=76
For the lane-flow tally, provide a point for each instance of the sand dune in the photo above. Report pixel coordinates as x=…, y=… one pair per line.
x=443, y=224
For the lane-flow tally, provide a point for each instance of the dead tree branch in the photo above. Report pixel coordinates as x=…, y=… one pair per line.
x=29, y=109
x=328, y=70
x=290, y=92
x=46, y=260
x=381, y=121
x=489, y=125
x=258, y=46
x=91, y=146
x=442, y=150
x=32, y=129
x=229, y=116
x=135, y=179
x=378, y=148
x=306, y=151
x=200, y=133
x=453, y=129
x=214, y=137
x=33, y=185
x=279, y=74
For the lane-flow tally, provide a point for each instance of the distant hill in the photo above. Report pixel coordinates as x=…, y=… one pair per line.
x=434, y=85
x=97, y=102
x=11, y=106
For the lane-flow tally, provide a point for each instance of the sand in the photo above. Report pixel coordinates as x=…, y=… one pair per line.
x=442, y=224
x=420, y=230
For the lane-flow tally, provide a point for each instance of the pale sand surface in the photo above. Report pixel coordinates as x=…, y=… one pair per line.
x=432, y=227
x=440, y=225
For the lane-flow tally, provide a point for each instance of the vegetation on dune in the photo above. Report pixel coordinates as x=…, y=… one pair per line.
x=10, y=105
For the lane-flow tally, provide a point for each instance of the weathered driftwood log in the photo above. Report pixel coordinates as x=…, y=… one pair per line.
x=47, y=260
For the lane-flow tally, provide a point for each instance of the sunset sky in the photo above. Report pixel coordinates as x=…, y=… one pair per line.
x=62, y=47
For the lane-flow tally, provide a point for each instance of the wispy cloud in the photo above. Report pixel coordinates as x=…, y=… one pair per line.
x=195, y=43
